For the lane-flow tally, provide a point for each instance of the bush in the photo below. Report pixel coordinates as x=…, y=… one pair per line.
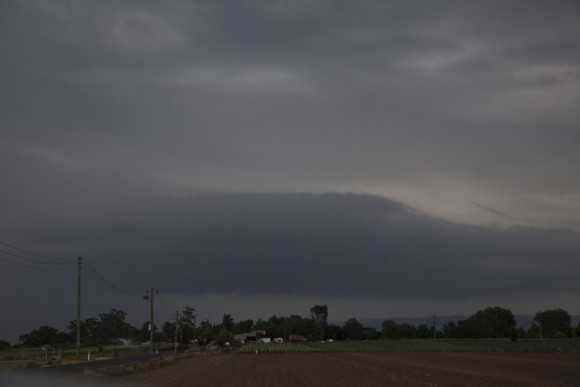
x=4, y=345
x=514, y=335
x=559, y=335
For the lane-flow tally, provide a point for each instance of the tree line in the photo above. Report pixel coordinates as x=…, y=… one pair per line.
x=111, y=327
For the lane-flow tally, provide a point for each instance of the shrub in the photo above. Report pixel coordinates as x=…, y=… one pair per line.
x=559, y=335
x=4, y=345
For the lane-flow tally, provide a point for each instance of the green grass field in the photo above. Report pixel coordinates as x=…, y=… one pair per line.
x=273, y=348
x=35, y=357
x=441, y=345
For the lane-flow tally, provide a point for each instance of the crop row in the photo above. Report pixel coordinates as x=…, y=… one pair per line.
x=450, y=345
x=276, y=348
x=417, y=345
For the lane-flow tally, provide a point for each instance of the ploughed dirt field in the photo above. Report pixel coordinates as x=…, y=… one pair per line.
x=368, y=369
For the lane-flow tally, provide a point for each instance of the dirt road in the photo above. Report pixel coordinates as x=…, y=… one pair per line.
x=364, y=369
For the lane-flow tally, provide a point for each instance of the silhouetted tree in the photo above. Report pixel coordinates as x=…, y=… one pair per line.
x=335, y=332
x=554, y=322
x=206, y=332
x=424, y=332
x=319, y=314
x=243, y=326
x=90, y=328
x=390, y=330
x=4, y=345
x=492, y=322
x=114, y=327
x=353, y=330
x=228, y=322
x=187, y=324
x=44, y=335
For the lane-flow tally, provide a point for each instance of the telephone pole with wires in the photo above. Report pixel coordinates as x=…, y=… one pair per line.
x=79, y=269
x=30, y=260
x=176, y=329
x=150, y=296
x=434, y=327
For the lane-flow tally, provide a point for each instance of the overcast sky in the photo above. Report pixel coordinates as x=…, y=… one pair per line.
x=387, y=158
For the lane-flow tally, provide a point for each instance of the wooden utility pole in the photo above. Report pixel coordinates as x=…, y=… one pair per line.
x=150, y=295
x=434, y=327
x=176, y=328
x=79, y=268
x=194, y=341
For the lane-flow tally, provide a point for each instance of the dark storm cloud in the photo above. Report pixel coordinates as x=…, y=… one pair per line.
x=117, y=116
x=206, y=91
x=327, y=244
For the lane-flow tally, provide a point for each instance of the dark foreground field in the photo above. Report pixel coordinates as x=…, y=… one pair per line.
x=368, y=369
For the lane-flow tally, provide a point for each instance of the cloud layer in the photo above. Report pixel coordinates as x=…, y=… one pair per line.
x=205, y=148
x=317, y=244
x=437, y=104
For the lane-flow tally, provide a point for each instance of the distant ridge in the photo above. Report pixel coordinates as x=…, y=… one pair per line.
x=441, y=320
x=525, y=320
x=522, y=321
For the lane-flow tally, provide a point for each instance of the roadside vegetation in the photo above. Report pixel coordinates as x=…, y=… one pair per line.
x=492, y=329
x=33, y=357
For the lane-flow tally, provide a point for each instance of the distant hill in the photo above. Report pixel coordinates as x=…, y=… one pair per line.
x=525, y=320
x=522, y=321
x=441, y=320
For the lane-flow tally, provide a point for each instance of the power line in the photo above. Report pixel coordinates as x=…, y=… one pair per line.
x=31, y=263
x=163, y=308
x=33, y=253
x=29, y=266
x=91, y=269
x=58, y=263
x=34, y=260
